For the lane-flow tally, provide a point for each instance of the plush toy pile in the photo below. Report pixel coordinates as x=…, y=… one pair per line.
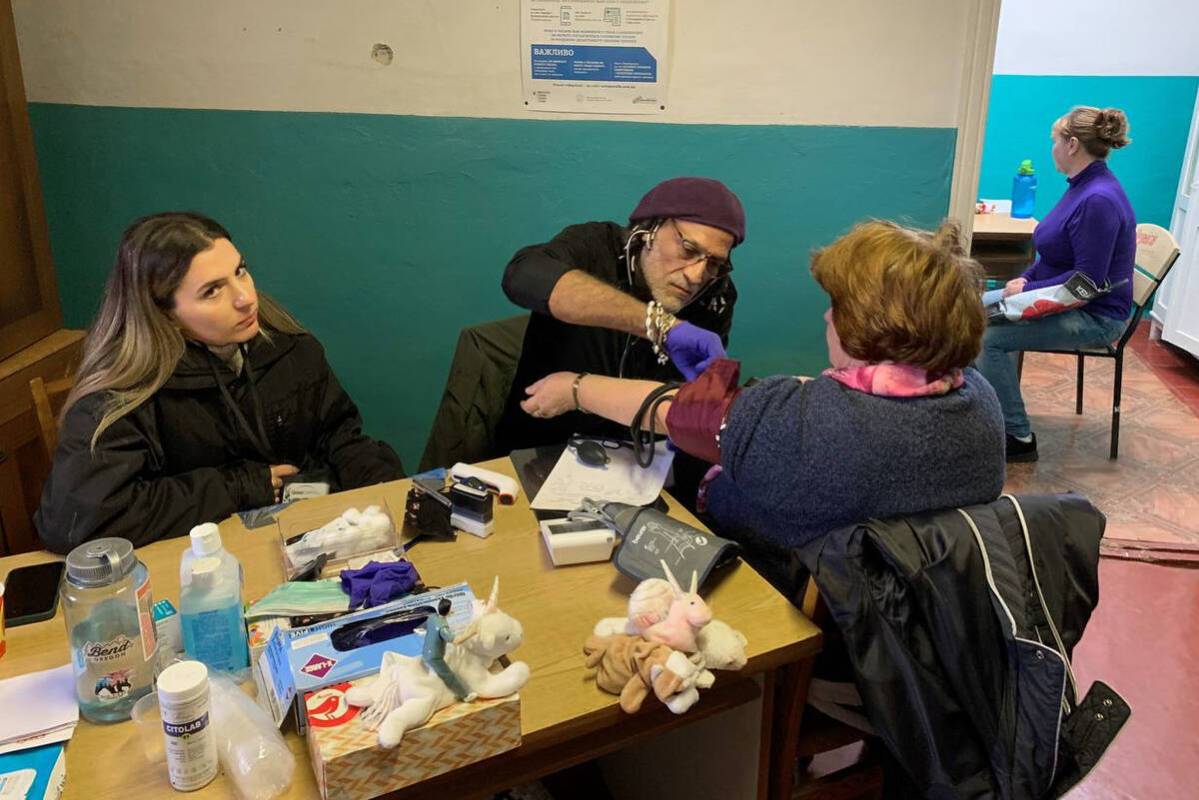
x=667, y=645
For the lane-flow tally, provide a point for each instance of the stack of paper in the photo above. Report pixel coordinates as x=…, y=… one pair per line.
x=39, y=708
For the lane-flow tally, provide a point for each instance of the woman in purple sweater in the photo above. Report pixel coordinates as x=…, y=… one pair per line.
x=1092, y=230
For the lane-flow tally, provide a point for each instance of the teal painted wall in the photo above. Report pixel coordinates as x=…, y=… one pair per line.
x=386, y=234
x=1024, y=108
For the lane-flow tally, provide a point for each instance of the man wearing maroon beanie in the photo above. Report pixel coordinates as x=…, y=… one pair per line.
x=650, y=300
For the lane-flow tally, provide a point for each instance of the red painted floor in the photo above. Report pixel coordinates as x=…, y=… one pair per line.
x=1141, y=640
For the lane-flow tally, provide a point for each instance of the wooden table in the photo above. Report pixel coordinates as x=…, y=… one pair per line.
x=565, y=719
x=1002, y=245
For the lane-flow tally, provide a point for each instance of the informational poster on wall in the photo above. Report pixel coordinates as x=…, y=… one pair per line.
x=595, y=56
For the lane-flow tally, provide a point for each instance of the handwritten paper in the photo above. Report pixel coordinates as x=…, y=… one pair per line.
x=621, y=480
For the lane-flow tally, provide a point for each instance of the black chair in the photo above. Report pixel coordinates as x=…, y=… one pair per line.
x=1156, y=253
x=476, y=390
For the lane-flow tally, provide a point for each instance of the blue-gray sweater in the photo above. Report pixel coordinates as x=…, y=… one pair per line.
x=803, y=459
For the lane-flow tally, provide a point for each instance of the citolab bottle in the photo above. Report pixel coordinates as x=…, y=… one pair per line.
x=210, y=603
x=1024, y=191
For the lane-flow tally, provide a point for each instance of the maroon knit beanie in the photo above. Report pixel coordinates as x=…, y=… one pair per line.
x=702, y=200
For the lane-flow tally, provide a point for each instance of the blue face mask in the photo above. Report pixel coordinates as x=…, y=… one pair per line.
x=299, y=598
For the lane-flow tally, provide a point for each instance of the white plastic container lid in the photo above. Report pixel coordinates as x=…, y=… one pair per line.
x=206, y=539
x=182, y=682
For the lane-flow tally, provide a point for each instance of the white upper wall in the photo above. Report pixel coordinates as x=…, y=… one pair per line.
x=1098, y=37
x=852, y=62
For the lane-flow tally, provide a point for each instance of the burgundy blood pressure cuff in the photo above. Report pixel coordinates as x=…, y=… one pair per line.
x=698, y=411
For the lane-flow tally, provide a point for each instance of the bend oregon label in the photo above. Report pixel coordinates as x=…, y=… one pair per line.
x=113, y=663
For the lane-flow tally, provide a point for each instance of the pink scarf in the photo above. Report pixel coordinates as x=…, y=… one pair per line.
x=896, y=380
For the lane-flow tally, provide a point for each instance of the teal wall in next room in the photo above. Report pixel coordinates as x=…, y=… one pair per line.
x=1024, y=107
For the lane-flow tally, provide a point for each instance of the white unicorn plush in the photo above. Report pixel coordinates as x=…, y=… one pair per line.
x=407, y=693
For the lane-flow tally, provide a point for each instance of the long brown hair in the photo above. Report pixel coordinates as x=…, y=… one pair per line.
x=906, y=295
x=133, y=347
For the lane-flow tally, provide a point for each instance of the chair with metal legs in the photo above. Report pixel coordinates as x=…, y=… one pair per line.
x=1156, y=253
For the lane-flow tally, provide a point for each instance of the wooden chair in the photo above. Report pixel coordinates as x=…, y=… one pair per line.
x=47, y=400
x=1156, y=253
x=818, y=733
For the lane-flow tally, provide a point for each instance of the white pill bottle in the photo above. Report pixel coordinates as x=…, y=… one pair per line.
x=190, y=739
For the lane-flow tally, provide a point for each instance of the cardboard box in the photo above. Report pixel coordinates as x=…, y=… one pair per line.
x=296, y=661
x=349, y=764
x=315, y=512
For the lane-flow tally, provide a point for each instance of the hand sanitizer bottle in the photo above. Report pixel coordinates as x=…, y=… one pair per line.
x=210, y=603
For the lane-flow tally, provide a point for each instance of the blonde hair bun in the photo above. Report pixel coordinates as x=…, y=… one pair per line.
x=1111, y=127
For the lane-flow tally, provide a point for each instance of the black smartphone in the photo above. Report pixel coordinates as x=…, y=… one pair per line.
x=31, y=593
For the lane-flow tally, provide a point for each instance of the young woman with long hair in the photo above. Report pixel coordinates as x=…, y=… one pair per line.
x=196, y=397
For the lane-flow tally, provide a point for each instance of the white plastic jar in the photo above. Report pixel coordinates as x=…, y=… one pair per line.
x=190, y=739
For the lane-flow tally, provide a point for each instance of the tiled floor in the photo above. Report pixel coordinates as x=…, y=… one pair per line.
x=1152, y=491
x=1178, y=369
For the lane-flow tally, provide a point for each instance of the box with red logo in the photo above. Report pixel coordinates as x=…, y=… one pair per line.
x=301, y=660
x=349, y=764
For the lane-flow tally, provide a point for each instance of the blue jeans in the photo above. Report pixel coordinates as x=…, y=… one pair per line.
x=1003, y=340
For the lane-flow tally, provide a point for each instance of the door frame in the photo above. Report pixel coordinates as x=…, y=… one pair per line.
x=974, y=97
x=1175, y=282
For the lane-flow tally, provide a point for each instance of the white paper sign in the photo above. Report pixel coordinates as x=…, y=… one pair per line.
x=594, y=56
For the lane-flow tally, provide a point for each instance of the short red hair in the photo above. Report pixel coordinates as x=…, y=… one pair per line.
x=904, y=295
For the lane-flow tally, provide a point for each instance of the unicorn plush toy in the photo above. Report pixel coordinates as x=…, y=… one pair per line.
x=407, y=693
x=676, y=621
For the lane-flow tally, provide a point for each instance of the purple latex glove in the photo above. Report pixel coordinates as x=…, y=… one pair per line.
x=378, y=583
x=692, y=349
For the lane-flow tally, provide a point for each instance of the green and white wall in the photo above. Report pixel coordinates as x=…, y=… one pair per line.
x=1142, y=57
x=380, y=203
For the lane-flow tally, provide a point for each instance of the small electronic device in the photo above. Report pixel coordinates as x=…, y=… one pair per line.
x=472, y=507
x=577, y=541
x=31, y=593
x=507, y=488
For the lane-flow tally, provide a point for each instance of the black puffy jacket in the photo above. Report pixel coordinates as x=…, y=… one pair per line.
x=959, y=626
x=195, y=451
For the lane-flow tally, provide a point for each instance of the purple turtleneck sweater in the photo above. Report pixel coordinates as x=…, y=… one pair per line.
x=1092, y=229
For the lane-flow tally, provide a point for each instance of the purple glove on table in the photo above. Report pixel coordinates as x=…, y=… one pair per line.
x=692, y=348
x=378, y=583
